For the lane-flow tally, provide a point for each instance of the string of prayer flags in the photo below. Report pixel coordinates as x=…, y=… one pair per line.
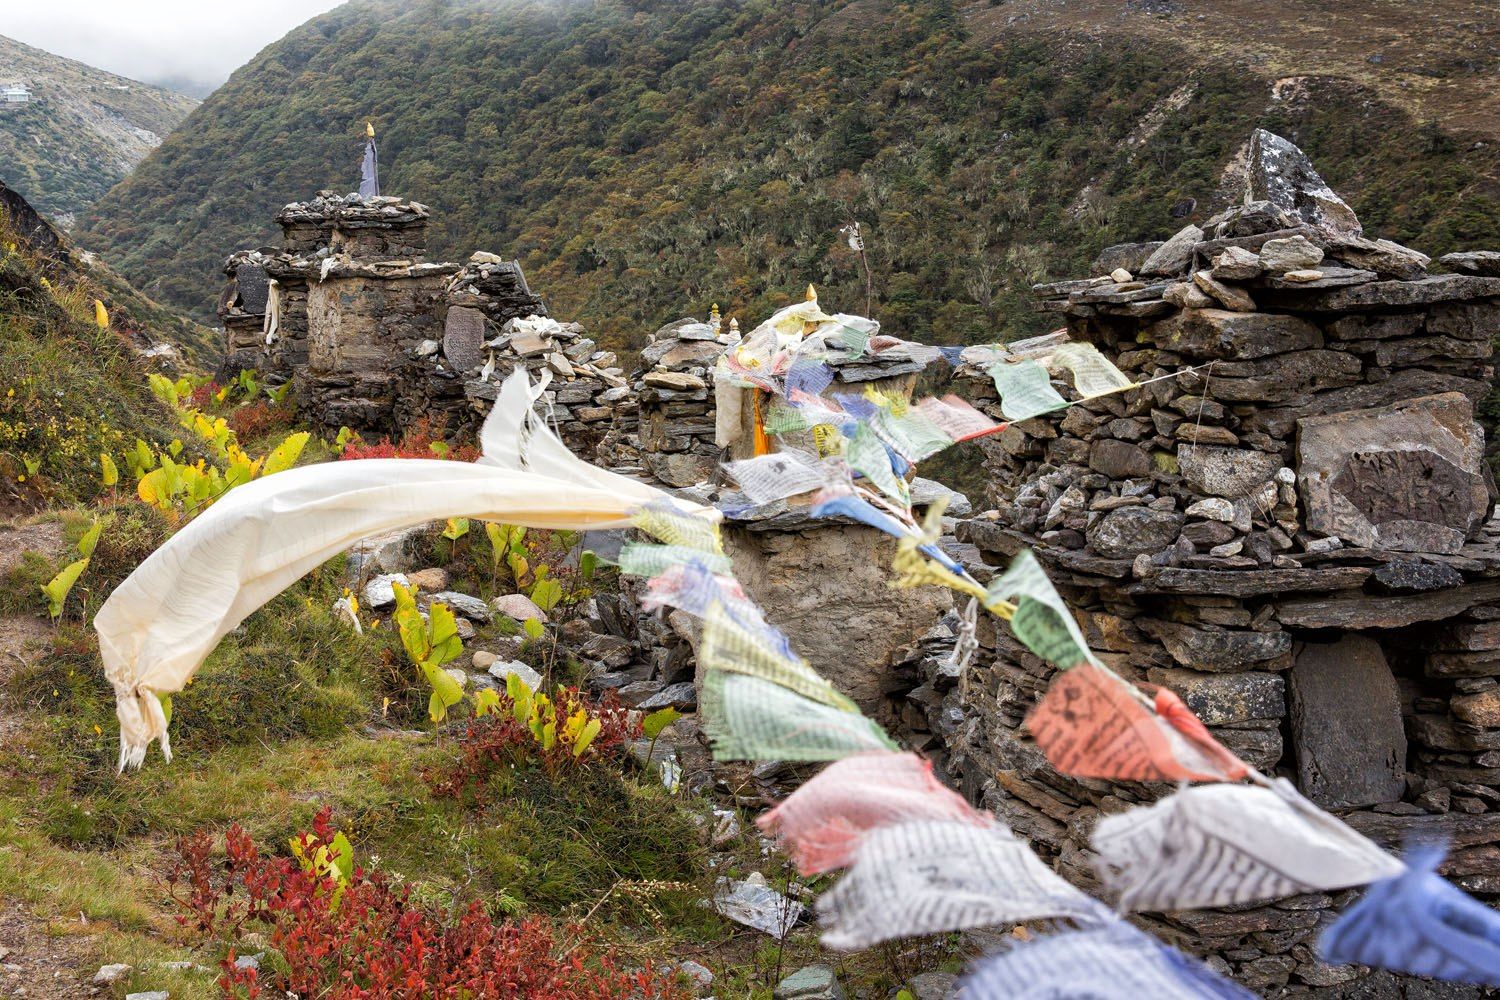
x=1092, y=724
x=783, y=474
x=646, y=559
x=846, y=503
x=675, y=526
x=821, y=823
x=806, y=377
x=695, y=588
x=930, y=876
x=747, y=718
x=1112, y=960
x=957, y=418
x=1042, y=619
x=1093, y=373
x=909, y=432
x=729, y=645
x=867, y=455
x=1025, y=389
x=1217, y=845
x=1418, y=923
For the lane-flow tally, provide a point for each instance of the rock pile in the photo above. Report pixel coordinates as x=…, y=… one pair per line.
x=674, y=399
x=1274, y=536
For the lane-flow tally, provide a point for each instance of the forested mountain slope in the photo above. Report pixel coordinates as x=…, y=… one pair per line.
x=646, y=158
x=81, y=131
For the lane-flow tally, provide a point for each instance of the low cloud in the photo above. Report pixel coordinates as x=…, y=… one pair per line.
x=189, y=45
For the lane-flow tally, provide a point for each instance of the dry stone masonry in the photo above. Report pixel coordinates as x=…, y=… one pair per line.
x=1297, y=537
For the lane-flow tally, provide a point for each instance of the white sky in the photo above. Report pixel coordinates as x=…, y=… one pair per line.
x=193, y=44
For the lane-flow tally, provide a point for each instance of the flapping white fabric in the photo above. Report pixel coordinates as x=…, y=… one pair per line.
x=159, y=625
x=1215, y=845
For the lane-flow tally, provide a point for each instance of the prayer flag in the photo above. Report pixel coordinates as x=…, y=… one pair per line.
x=1093, y=373
x=747, y=718
x=1025, y=390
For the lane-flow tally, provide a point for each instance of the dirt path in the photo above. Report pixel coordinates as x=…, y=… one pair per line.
x=38, y=962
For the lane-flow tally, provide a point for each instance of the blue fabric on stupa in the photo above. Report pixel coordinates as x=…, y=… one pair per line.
x=1110, y=962
x=1419, y=923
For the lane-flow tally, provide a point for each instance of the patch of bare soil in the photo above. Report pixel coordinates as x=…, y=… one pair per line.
x=39, y=961
x=44, y=537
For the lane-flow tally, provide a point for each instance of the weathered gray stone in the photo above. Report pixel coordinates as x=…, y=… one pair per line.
x=1119, y=459
x=1236, y=264
x=1293, y=253
x=1386, y=258
x=1172, y=257
x=1223, y=699
x=1282, y=174
x=1219, y=333
x=815, y=982
x=1216, y=649
x=1230, y=297
x=463, y=337
x=1485, y=263
x=1130, y=531
x=1226, y=472
x=1130, y=256
x=518, y=607
x=1346, y=723
x=471, y=607
x=682, y=696
x=1407, y=477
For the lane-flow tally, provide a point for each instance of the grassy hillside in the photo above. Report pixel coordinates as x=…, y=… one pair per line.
x=83, y=130
x=646, y=158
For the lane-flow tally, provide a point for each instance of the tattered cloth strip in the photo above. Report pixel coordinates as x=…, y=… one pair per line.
x=1042, y=620
x=1025, y=389
x=1215, y=845
x=1091, y=725
x=166, y=617
x=646, y=559
x=821, y=823
x=747, y=718
x=1093, y=373
x=929, y=876
x=957, y=418
x=1110, y=962
x=1418, y=923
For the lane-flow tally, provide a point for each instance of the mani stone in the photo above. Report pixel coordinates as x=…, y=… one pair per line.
x=1295, y=253
x=1346, y=723
x=463, y=338
x=1225, y=699
x=1226, y=472
x=1172, y=256
x=1130, y=531
x=1407, y=477
x=1282, y=174
x=1219, y=333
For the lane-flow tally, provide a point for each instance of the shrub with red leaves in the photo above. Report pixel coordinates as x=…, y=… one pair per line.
x=417, y=442
x=365, y=940
x=257, y=420
x=497, y=740
x=202, y=397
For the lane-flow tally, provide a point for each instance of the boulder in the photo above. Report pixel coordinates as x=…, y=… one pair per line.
x=1130, y=256
x=682, y=696
x=380, y=592
x=471, y=607
x=1294, y=253
x=1346, y=724
x=1130, y=531
x=1407, y=477
x=1280, y=173
x=502, y=669
x=1386, y=258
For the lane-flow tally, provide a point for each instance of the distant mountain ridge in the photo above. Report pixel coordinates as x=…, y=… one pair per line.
x=82, y=130
x=644, y=158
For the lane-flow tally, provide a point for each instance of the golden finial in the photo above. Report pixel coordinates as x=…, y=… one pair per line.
x=812, y=293
x=734, y=326
x=369, y=130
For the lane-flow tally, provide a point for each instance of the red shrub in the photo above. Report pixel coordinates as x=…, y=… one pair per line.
x=257, y=420
x=417, y=442
x=497, y=740
x=366, y=940
x=203, y=396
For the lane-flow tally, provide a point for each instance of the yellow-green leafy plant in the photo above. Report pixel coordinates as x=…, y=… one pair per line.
x=430, y=642
x=539, y=715
x=57, y=589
